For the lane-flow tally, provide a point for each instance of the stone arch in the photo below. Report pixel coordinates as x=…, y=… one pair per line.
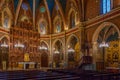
x=72, y=57
x=42, y=41
x=44, y=55
x=103, y=25
x=4, y=36
x=71, y=11
x=69, y=38
x=73, y=7
x=56, y=41
x=62, y=13
x=58, y=57
x=95, y=49
x=73, y=1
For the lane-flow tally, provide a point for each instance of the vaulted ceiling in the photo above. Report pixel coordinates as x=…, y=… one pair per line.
x=50, y=4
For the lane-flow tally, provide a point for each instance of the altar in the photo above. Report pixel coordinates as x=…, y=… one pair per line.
x=26, y=65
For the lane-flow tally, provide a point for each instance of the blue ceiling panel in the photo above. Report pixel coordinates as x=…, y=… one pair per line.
x=15, y=4
x=31, y=4
x=112, y=37
x=38, y=3
x=50, y=5
x=63, y=4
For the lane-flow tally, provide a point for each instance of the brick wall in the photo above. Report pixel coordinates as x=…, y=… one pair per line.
x=116, y=3
x=92, y=9
x=91, y=30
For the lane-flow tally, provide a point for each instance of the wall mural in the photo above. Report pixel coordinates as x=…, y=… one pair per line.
x=58, y=26
x=42, y=28
x=6, y=22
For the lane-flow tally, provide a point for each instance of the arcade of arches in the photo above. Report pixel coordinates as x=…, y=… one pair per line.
x=50, y=34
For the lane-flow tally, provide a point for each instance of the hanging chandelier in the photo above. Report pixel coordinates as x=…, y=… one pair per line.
x=71, y=50
x=56, y=52
x=103, y=44
x=19, y=45
x=42, y=47
x=4, y=44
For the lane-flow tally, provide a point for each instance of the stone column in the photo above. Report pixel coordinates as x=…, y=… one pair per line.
x=95, y=50
x=65, y=51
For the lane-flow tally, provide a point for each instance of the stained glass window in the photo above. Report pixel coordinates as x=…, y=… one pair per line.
x=106, y=6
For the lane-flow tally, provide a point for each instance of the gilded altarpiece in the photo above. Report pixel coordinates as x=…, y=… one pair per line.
x=24, y=34
x=112, y=55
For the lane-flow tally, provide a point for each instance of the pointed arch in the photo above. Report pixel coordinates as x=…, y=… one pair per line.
x=42, y=41
x=61, y=12
x=72, y=7
x=49, y=17
x=17, y=11
x=69, y=39
x=55, y=42
x=103, y=25
x=4, y=36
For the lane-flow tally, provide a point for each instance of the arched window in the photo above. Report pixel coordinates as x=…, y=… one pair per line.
x=106, y=6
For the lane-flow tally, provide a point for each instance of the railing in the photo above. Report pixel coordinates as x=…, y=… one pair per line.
x=80, y=61
x=87, y=59
x=84, y=60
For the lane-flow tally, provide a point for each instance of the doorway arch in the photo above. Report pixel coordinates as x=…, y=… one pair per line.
x=58, y=56
x=105, y=33
x=103, y=25
x=73, y=50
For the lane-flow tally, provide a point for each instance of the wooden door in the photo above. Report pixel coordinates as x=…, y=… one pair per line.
x=44, y=60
